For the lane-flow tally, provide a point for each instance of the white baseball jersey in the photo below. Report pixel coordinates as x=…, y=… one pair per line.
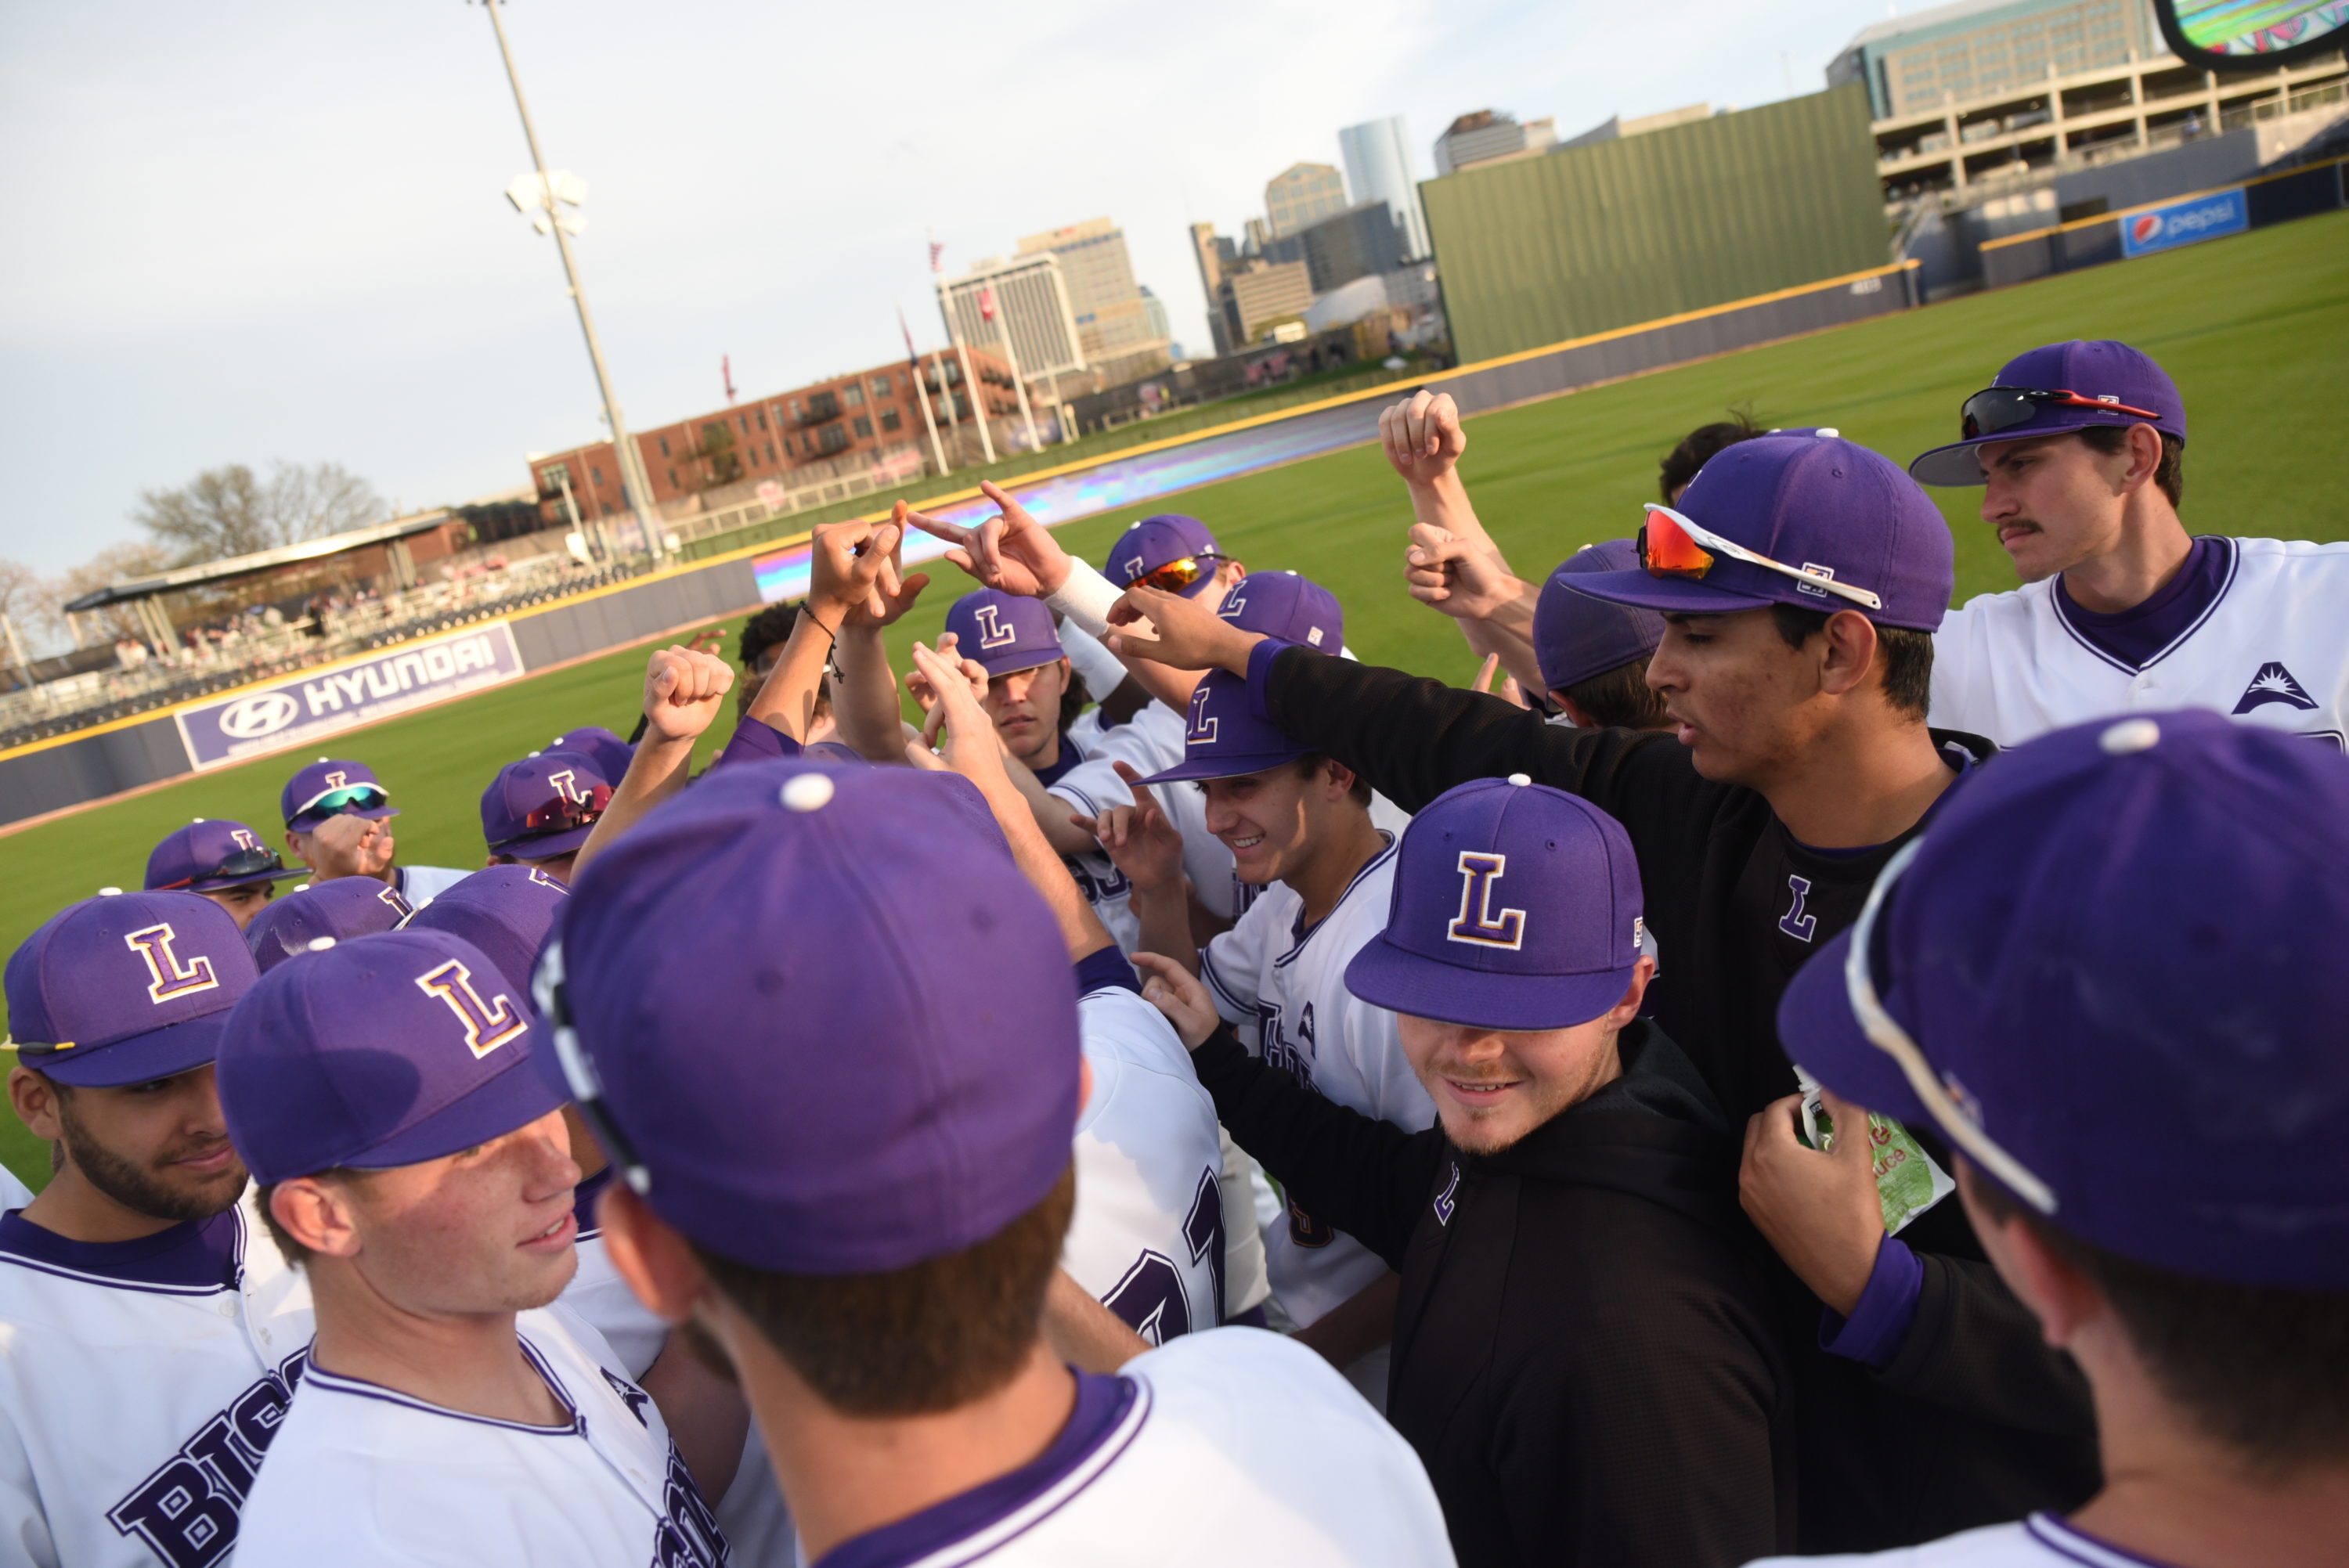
x=1233, y=1447
x=362, y=1474
x=600, y=1296
x=14, y=1194
x=1290, y=982
x=2271, y=650
x=1097, y=877
x=2042, y=1540
x=419, y=885
x=1147, y=1239
x=140, y=1383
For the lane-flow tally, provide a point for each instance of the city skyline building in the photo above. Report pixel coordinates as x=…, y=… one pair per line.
x=1379, y=167
x=1487, y=136
x=1030, y=297
x=1105, y=300
x=1300, y=196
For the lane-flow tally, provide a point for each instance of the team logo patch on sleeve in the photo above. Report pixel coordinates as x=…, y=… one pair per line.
x=2273, y=683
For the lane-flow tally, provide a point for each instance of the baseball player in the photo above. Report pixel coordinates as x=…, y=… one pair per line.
x=329, y=912
x=538, y=811
x=1593, y=655
x=2078, y=976
x=338, y=816
x=871, y=1236
x=2080, y=448
x=225, y=861
x=1299, y=825
x=1032, y=701
x=1147, y=1239
x=152, y=1337
x=411, y=1157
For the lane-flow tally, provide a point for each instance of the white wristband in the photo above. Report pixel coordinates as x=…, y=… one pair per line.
x=1101, y=669
x=1085, y=597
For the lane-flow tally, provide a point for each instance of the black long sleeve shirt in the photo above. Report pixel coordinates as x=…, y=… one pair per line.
x=1584, y=1356
x=1991, y=1423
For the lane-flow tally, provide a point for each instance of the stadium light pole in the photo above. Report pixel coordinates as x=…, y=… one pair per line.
x=632, y=476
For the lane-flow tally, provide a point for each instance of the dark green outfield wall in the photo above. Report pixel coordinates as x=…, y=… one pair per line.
x=1584, y=241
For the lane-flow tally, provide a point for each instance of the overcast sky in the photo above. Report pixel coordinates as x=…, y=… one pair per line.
x=240, y=231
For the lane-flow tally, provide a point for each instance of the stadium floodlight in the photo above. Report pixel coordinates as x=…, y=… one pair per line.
x=544, y=194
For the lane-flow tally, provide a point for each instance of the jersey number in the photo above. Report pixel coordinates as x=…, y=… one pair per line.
x=1150, y=1297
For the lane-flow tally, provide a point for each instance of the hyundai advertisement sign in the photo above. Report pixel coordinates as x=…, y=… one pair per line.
x=2183, y=222
x=314, y=704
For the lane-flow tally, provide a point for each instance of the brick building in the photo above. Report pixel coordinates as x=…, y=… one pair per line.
x=828, y=427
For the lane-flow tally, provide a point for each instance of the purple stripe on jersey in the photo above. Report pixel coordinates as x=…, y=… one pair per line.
x=194, y=1256
x=1104, y=969
x=2067, y=1540
x=2138, y=636
x=1070, y=757
x=1102, y=1407
x=1300, y=933
x=359, y=1388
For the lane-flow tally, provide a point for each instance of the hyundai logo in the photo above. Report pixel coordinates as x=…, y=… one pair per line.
x=249, y=718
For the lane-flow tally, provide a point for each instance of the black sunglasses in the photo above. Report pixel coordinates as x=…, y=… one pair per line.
x=1997, y=408
x=244, y=864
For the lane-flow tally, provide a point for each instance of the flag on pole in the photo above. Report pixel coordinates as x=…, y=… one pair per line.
x=936, y=251
x=912, y=357
x=986, y=303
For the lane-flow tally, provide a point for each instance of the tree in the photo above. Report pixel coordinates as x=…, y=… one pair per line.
x=116, y=564
x=228, y=511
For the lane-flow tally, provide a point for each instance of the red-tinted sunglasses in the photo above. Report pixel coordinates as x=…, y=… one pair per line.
x=1176, y=575
x=1997, y=408
x=558, y=815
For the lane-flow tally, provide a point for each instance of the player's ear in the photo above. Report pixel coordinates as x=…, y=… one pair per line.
x=657, y=1264
x=317, y=1213
x=35, y=1097
x=1848, y=650
x=2059, y=1296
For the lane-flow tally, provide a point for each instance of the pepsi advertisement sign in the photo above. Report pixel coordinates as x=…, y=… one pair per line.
x=2184, y=222
x=298, y=709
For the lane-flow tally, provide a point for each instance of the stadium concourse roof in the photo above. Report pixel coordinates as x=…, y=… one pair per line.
x=260, y=561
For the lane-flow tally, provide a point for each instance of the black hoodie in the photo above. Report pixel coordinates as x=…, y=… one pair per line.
x=1583, y=1355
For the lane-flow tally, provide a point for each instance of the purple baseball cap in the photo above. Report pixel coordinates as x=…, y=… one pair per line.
x=1576, y=636
x=504, y=911
x=604, y=748
x=544, y=806
x=1223, y=738
x=334, y=911
x=1515, y=906
x=390, y=1049
x=303, y=801
x=127, y=988
x=207, y=856
x=1804, y=499
x=1004, y=632
x=2112, y=951
x=821, y=1026
x=2097, y=372
x=1155, y=541
x=1285, y=605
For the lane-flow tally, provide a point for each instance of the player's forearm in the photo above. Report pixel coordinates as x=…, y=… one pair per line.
x=1083, y=1331
x=787, y=701
x=1081, y=928
x=1163, y=913
x=865, y=700
x=1443, y=503
x=1049, y=812
x=658, y=771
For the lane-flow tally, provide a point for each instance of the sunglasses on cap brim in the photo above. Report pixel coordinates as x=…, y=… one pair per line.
x=550, y=986
x=1997, y=408
x=244, y=864
x=564, y=812
x=327, y=803
x=1672, y=544
x=1886, y=1034
x=1178, y=574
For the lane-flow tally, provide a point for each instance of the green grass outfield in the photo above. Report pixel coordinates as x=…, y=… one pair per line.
x=2255, y=329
